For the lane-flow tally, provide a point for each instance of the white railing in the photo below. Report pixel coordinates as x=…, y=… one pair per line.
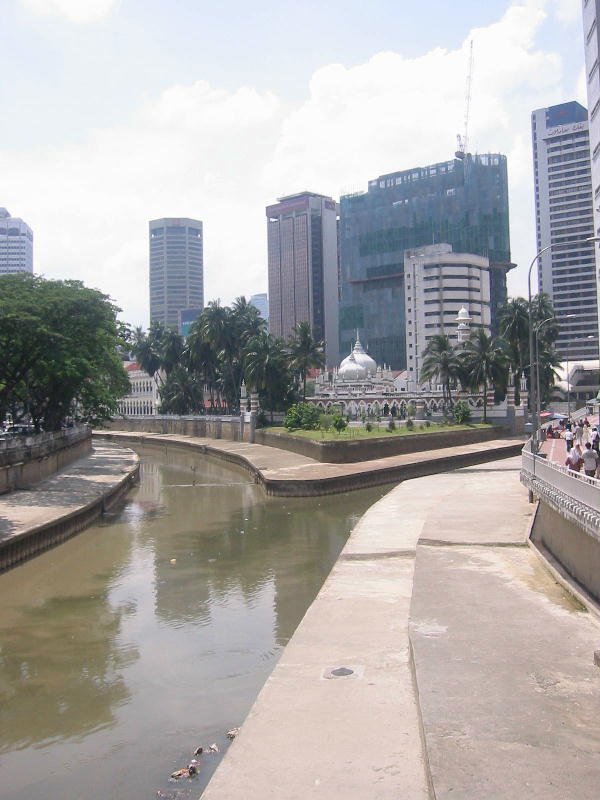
x=578, y=486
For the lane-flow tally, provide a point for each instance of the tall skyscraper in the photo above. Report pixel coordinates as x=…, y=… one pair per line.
x=261, y=301
x=564, y=219
x=463, y=202
x=303, y=267
x=16, y=244
x=176, y=268
x=591, y=38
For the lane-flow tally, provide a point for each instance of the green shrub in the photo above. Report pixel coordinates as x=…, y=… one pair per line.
x=391, y=426
x=411, y=409
x=325, y=422
x=302, y=415
x=462, y=412
x=428, y=424
x=339, y=423
x=368, y=427
x=410, y=424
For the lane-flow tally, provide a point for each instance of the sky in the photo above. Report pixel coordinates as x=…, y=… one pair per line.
x=115, y=112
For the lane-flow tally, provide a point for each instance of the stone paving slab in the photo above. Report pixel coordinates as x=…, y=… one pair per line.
x=77, y=485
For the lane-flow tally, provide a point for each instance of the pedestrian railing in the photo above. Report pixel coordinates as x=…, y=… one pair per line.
x=571, y=493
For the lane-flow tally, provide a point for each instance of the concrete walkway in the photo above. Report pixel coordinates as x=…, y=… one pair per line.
x=62, y=503
x=290, y=474
x=448, y=622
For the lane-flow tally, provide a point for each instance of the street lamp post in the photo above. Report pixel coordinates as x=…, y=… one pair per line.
x=534, y=378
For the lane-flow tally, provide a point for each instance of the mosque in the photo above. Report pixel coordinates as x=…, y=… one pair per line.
x=360, y=387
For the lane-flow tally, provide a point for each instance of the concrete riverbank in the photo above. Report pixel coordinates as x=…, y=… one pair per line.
x=65, y=503
x=286, y=474
x=439, y=660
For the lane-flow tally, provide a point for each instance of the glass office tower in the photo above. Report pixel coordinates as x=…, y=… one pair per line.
x=463, y=202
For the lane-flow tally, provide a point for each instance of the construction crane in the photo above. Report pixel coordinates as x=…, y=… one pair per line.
x=463, y=141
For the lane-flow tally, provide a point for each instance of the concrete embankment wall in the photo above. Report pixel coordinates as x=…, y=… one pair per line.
x=329, y=452
x=25, y=462
x=575, y=550
x=37, y=538
x=348, y=452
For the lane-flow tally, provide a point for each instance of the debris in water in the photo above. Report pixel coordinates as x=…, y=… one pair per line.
x=173, y=561
x=233, y=733
x=186, y=772
x=213, y=749
x=198, y=751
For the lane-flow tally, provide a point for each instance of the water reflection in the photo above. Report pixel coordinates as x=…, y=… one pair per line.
x=152, y=633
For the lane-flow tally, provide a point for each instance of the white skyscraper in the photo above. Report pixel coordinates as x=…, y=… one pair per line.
x=16, y=244
x=564, y=220
x=591, y=39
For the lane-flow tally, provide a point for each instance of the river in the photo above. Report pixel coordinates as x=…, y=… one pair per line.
x=151, y=633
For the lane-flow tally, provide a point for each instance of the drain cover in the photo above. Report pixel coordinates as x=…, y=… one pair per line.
x=350, y=671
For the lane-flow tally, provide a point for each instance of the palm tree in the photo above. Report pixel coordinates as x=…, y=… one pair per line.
x=217, y=327
x=305, y=352
x=486, y=362
x=442, y=364
x=266, y=369
x=514, y=328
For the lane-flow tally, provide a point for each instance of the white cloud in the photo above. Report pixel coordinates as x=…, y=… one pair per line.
x=79, y=11
x=222, y=156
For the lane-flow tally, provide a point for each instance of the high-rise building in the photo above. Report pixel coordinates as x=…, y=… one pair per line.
x=564, y=220
x=463, y=202
x=16, y=244
x=261, y=301
x=303, y=267
x=591, y=38
x=439, y=283
x=176, y=268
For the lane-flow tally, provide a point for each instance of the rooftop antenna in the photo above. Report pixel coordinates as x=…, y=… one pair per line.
x=463, y=141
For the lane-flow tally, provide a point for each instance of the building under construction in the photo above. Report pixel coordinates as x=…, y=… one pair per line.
x=463, y=202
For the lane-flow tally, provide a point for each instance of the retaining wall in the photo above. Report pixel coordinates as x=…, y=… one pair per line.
x=26, y=461
x=348, y=452
x=576, y=550
x=38, y=538
x=328, y=452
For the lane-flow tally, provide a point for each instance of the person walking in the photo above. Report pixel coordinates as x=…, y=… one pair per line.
x=574, y=459
x=590, y=461
x=579, y=433
x=595, y=439
x=569, y=439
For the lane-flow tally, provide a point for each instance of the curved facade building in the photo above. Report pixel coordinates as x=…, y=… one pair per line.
x=440, y=285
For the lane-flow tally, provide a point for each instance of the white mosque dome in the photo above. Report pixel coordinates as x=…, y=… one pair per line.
x=364, y=359
x=463, y=315
x=351, y=370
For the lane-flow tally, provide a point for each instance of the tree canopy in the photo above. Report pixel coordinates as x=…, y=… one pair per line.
x=60, y=344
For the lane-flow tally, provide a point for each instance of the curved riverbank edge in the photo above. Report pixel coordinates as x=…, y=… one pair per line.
x=60, y=506
x=285, y=474
x=464, y=665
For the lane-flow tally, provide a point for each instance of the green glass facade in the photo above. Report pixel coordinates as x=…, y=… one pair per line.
x=463, y=202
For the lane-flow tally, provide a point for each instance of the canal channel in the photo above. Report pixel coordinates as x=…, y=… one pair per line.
x=151, y=633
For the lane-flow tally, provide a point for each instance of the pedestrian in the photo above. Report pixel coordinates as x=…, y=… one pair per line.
x=569, y=439
x=574, y=459
x=596, y=440
x=590, y=461
x=579, y=432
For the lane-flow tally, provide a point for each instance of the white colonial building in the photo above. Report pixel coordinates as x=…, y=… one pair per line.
x=143, y=399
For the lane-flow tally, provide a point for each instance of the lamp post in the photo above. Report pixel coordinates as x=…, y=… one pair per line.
x=534, y=379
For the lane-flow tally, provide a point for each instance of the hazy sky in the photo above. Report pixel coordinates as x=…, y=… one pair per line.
x=114, y=112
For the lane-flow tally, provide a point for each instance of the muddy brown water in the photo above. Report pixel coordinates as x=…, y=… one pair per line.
x=116, y=663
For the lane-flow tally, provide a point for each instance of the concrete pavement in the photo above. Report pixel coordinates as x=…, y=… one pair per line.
x=473, y=671
x=64, y=503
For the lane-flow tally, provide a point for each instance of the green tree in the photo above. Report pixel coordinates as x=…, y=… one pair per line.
x=514, y=328
x=305, y=352
x=266, y=370
x=486, y=362
x=60, y=344
x=441, y=364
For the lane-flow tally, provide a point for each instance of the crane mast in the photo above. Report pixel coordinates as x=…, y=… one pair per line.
x=463, y=141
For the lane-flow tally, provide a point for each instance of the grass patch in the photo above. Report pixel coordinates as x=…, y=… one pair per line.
x=379, y=431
